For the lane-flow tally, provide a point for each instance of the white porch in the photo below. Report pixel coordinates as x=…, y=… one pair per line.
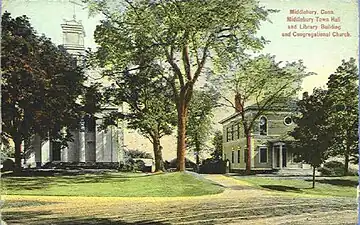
x=282, y=159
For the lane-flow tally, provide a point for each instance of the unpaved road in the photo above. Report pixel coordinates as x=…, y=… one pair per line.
x=238, y=204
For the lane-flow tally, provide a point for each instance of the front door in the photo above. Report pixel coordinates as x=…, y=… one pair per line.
x=56, y=151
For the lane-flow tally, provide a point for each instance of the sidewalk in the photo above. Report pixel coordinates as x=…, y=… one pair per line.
x=228, y=182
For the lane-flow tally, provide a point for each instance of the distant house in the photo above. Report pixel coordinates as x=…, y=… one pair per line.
x=269, y=138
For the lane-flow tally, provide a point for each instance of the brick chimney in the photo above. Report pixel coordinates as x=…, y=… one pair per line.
x=238, y=107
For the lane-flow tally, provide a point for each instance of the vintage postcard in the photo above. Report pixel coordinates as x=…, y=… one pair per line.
x=179, y=112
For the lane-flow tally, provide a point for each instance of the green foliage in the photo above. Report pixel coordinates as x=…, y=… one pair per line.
x=199, y=123
x=332, y=168
x=135, y=153
x=180, y=36
x=342, y=103
x=311, y=134
x=261, y=81
x=40, y=84
x=217, y=143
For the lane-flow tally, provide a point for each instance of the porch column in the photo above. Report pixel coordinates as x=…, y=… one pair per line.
x=82, y=142
x=281, y=154
x=273, y=157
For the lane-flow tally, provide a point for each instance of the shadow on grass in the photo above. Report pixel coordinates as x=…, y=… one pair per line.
x=282, y=188
x=38, y=218
x=40, y=180
x=339, y=182
x=37, y=179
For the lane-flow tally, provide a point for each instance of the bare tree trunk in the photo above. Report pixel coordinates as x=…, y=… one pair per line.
x=248, y=146
x=17, y=142
x=313, y=181
x=159, y=164
x=181, y=148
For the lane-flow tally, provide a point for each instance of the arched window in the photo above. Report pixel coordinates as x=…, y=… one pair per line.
x=263, y=125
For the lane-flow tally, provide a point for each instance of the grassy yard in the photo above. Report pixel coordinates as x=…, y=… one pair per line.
x=114, y=184
x=339, y=186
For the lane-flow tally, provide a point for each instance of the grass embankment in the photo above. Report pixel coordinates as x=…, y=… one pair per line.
x=339, y=186
x=110, y=185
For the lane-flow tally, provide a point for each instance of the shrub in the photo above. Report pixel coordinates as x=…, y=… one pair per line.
x=8, y=165
x=213, y=166
x=332, y=168
x=139, y=165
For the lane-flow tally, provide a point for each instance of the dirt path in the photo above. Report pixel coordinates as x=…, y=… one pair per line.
x=240, y=204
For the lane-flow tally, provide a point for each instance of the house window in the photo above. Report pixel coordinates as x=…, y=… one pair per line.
x=263, y=125
x=263, y=154
x=238, y=130
x=235, y=130
x=232, y=157
x=228, y=134
x=239, y=153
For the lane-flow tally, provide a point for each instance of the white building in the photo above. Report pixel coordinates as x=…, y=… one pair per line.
x=90, y=144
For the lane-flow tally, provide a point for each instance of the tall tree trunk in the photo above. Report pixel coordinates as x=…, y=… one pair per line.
x=17, y=142
x=248, y=146
x=159, y=164
x=313, y=181
x=346, y=162
x=181, y=138
x=182, y=108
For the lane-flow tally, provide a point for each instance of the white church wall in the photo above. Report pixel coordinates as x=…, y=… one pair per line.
x=90, y=154
x=73, y=148
x=45, y=152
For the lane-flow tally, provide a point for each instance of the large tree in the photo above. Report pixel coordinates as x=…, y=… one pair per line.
x=312, y=137
x=150, y=108
x=200, y=120
x=184, y=36
x=259, y=81
x=40, y=85
x=342, y=113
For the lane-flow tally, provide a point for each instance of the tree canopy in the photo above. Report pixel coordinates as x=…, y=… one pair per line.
x=40, y=85
x=312, y=139
x=183, y=36
x=200, y=120
x=342, y=111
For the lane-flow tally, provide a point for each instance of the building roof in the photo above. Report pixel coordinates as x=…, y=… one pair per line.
x=287, y=106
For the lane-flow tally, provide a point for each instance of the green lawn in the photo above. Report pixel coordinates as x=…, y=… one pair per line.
x=339, y=186
x=115, y=185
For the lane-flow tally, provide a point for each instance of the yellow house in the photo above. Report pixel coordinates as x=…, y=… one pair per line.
x=268, y=139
